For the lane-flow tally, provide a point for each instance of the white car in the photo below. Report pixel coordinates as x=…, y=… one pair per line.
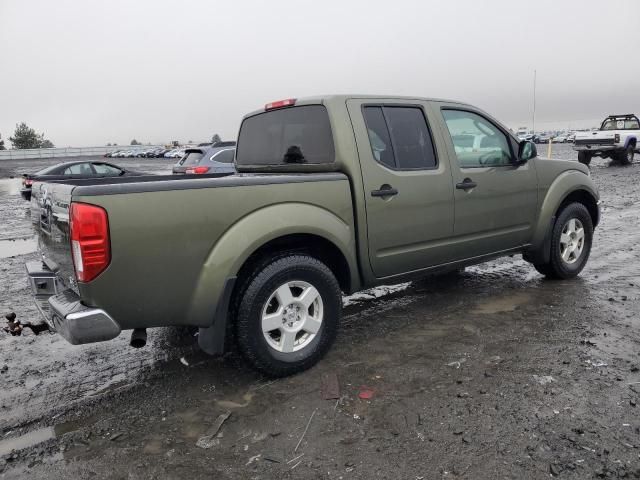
x=618, y=139
x=560, y=139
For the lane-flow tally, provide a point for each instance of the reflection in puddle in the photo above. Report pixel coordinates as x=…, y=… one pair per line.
x=27, y=440
x=502, y=304
x=10, y=186
x=19, y=246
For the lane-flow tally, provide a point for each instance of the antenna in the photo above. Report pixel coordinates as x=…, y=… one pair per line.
x=534, y=101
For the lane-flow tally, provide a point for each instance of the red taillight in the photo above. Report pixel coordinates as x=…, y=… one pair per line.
x=197, y=170
x=289, y=102
x=89, y=240
x=28, y=182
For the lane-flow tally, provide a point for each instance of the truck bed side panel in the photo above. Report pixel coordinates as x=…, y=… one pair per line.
x=160, y=241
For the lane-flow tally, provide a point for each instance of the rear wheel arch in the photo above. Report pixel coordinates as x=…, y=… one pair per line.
x=313, y=245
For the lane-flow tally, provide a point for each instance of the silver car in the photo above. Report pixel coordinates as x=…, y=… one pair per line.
x=199, y=161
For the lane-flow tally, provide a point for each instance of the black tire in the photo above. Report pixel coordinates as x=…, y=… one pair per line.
x=252, y=300
x=585, y=158
x=626, y=156
x=557, y=267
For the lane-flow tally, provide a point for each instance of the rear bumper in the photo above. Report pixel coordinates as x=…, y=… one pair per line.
x=64, y=312
x=26, y=193
x=595, y=148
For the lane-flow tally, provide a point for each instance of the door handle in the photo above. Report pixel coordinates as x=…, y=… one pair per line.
x=385, y=191
x=466, y=184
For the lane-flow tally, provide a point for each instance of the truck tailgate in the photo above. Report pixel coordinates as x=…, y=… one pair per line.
x=595, y=138
x=50, y=215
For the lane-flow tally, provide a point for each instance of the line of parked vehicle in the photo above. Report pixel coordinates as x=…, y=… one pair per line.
x=547, y=137
x=156, y=152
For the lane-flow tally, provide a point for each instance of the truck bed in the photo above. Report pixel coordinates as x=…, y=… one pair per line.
x=163, y=230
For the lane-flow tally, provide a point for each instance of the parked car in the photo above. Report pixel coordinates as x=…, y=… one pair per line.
x=72, y=171
x=335, y=194
x=206, y=160
x=175, y=153
x=618, y=139
x=544, y=138
x=560, y=138
x=160, y=153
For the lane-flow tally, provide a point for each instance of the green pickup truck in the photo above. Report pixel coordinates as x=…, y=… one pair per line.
x=333, y=194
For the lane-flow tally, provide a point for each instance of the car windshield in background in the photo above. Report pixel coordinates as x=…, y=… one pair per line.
x=296, y=135
x=621, y=124
x=192, y=157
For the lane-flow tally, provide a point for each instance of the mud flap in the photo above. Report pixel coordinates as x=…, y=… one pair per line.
x=543, y=254
x=211, y=339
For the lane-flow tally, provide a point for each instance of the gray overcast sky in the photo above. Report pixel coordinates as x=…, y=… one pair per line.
x=89, y=72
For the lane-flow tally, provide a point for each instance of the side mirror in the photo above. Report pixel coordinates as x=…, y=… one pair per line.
x=526, y=151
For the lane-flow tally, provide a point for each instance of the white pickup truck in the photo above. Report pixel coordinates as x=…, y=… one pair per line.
x=618, y=139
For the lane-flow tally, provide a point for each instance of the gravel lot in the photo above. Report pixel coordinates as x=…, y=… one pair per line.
x=495, y=373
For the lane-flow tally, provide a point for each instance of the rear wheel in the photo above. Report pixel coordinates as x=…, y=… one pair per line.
x=626, y=156
x=584, y=158
x=288, y=315
x=571, y=240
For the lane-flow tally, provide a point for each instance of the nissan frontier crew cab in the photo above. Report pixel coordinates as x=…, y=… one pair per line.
x=333, y=194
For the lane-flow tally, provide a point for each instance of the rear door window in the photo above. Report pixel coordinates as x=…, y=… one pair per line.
x=400, y=137
x=79, y=169
x=224, y=156
x=295, y=135
x=107, y=170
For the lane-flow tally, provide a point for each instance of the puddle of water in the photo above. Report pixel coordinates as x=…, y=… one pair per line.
x=10, y=186
x=247, y=397
x=18, y=246
x=502, y=304
x=27, y=440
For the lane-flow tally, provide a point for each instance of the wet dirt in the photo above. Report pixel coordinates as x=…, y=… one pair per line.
x=493, y=373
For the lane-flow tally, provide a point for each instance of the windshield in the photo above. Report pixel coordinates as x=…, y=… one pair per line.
x=287, y=136
x=621, y=124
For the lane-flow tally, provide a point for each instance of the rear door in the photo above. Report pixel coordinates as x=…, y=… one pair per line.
x=495, y=200
x=407, y=185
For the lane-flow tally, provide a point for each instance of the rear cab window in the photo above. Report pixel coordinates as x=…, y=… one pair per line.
x=286, y=136
x=399, y=136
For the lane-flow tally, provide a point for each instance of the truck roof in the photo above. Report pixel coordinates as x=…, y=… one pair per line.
x=341, y=98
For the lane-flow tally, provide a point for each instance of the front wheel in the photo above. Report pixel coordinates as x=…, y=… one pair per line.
x=571, y=241
x=584, y=158
x=288, y=315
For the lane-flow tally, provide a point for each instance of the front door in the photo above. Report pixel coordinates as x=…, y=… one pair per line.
x=495, y=199
x=407, y=186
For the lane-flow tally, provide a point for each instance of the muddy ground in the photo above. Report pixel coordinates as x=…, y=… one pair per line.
x=496, y=373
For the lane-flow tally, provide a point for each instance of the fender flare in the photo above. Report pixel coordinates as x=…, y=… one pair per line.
x=247, y=235
x=562, y=187
x=629, y=140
